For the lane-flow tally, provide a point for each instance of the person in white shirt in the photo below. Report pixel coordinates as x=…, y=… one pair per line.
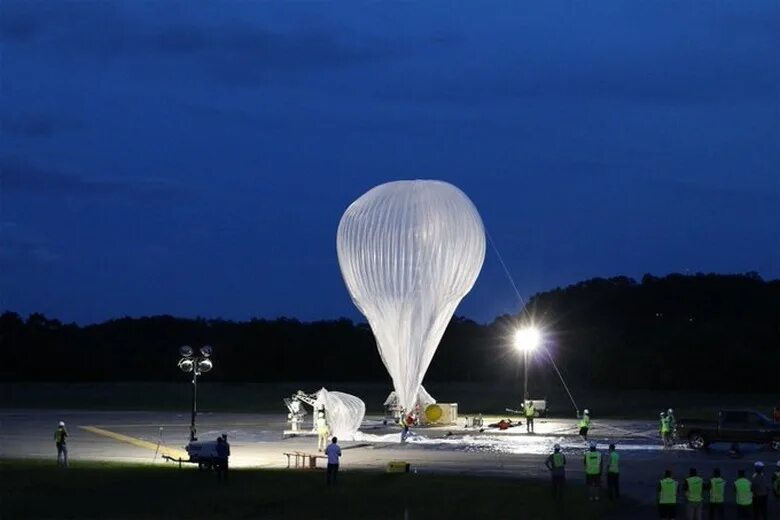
x=333, y=451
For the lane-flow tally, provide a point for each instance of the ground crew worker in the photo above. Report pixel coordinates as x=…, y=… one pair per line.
x=556, y=463
x=776, y=481
x=743, y=495
x=760, y=488
x=694, y=495
x=529, y=416
x=593, y=465
x=405, y=432
x=223, y=454
x=717, y=492
x=322, y=432
x=333, y=451
x=667, y=497
x=613, y=473
x=584, y=425
x=61, y=440
x=670, y=416
x=666, y=431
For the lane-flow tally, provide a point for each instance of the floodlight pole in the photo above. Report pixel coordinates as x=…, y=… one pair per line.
x=525, y=374
x=194, y=401
x=198, y=364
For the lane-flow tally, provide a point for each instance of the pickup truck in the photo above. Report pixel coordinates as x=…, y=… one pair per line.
x=732, y=426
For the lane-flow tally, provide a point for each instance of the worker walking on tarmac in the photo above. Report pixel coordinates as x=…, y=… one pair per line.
x=613, y=474
x=667, y=497
x=694, y=495
x=556, y=463
x=717, y=493
x=593, y=466
x=666, y=431
x=61, y=440
x=743, y=495
x=322, y=431
x=584, y=425
x=529, y=416
x=760, y=488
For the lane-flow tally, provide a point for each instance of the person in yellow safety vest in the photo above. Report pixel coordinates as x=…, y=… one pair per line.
x=716, y=486
x=593, y=466
x=744, y=495
x=322, y=432
x=529, y=416
x=556, y=463
x=613, y=473
x=667, y=496
x=776, y=481
x=694, y=495
x=760, y=488
x=584, y=424
x=666, y=431
x=61, y=440
x=670, y=416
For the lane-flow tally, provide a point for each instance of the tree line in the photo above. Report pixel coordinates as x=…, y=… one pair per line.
x=674, y=332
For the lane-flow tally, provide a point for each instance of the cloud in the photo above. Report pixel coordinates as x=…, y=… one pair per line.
x=20, y=176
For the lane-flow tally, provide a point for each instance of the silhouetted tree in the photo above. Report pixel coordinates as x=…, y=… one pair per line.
x=678, y=332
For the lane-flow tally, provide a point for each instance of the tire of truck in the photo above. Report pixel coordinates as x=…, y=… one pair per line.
x=697, y=441
x=775, y=444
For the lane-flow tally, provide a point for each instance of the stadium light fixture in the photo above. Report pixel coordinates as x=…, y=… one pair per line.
x=197, y=364
x=527, y=339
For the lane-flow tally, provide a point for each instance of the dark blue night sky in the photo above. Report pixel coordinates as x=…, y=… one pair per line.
x=195, y=158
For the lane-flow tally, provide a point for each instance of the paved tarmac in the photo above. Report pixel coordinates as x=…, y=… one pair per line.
x=257, y=441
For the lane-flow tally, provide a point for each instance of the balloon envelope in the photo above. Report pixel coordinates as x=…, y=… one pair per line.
x=409, y=251
x=343, y=412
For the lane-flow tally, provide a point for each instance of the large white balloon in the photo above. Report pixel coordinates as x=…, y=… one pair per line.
x=409, y=252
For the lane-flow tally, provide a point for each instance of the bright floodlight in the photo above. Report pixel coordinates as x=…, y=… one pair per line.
x=527, y=339
x=204, y=365
x=186, y=351
x=206, y=350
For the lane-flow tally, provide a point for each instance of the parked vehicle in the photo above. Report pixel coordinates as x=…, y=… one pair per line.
x=732, y=426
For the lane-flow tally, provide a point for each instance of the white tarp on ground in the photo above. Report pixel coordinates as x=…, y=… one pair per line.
x=343, y=412
x=409, y=251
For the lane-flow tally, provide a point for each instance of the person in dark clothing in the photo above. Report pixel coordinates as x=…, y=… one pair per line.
x=61, y=440
x=760, y=488
x=223, y=454
x=333, y=451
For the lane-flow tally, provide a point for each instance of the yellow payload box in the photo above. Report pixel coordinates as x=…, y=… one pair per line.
x=440, y=414
x=433, y=413
x=397, y=466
